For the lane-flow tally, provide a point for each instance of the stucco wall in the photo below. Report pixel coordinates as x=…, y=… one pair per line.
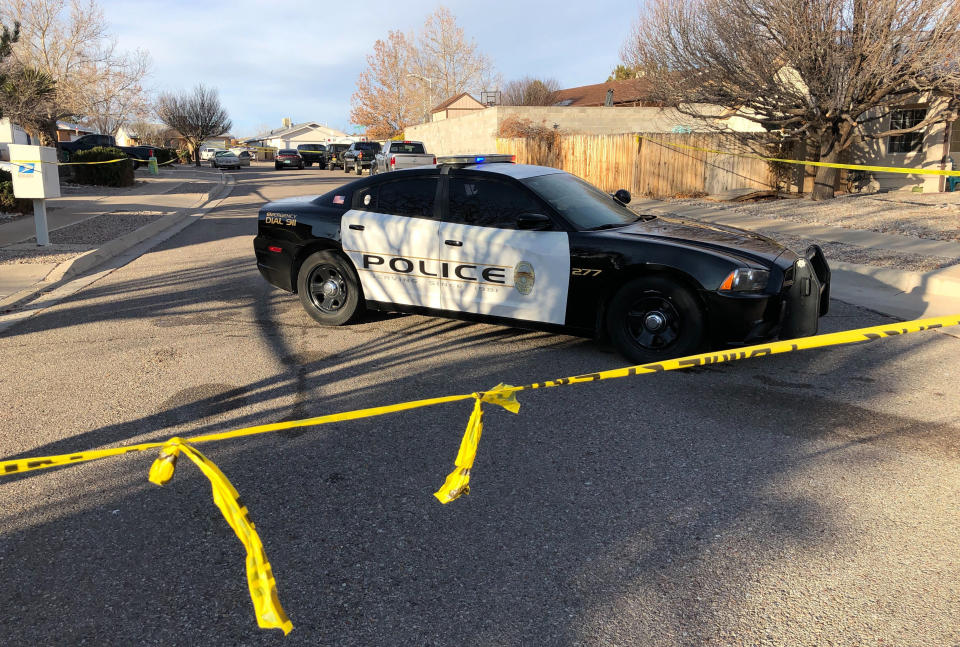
x=470, y=133
x=873, y=152
x=476, y=132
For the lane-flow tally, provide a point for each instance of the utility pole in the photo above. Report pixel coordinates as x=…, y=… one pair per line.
x=426, y=107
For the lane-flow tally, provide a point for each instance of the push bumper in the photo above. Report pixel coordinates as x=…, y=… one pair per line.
x=793, y=312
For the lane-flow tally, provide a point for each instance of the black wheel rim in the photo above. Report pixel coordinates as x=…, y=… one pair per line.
x=653, y=322
x=328, y=288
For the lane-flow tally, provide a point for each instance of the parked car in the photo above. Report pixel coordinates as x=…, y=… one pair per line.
x=312, y=154
x=245, y=156
x=481, y=239
x=360, y=156
x=334, y=155
x=396, y=156
x=225, y=159
x=287, y=158
x=206, y=154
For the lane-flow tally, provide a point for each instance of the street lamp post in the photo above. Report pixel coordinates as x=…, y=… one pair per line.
x=426, y=114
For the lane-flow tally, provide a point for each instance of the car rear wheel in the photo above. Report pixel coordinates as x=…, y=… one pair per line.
x=655, y=318
x=329, y=288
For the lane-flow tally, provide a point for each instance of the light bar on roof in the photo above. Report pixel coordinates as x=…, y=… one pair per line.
x=463, y=160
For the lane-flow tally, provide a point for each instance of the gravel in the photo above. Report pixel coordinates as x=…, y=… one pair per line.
x=934, y=216
x=846, y=253
x=69, y=242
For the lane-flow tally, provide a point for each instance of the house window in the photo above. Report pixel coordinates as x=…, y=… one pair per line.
x=908, y=142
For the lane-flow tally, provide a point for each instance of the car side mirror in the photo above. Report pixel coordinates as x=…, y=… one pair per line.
x=622, y=195
x=533, y=221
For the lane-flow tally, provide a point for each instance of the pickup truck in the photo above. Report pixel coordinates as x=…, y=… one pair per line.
x=360, y=156
x=87, y=142
x=400, y=155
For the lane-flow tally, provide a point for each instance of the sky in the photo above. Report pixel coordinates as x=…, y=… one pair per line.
x=301, y=60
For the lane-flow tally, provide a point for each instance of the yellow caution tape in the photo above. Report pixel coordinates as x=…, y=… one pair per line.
x=260, y=580
x=119, y=159
x=854, y=167
x=458, y=481
x=259, y=577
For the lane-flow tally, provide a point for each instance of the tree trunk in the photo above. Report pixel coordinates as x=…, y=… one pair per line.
x=832, y=141
x=196, y=155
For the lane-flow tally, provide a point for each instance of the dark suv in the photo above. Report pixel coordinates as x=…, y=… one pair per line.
x=360, y=156
x=312, y=154
x=334, y=155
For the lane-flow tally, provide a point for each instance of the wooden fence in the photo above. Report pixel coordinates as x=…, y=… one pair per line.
x=652, y=164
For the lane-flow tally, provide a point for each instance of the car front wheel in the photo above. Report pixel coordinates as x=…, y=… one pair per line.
x=655, y=318
x=329, y=289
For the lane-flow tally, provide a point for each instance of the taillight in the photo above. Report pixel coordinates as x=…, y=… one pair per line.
x=434, y=159
x=359, y=156
x=275, y=249
x=393, y=161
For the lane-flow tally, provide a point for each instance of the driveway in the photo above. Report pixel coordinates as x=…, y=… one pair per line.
x=799, y=499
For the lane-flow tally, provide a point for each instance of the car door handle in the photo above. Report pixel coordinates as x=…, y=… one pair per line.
x=454, y=243
x=357, y=227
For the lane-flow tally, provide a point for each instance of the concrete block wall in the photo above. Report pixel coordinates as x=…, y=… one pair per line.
x=476, y=132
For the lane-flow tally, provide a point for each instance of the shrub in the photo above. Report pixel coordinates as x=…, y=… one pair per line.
x=115, y=174
x=8, y=203
x=164, y=154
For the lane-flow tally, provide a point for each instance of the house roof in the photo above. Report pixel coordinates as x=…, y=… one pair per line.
x=625, y=92
x=280, y=132
x=452, y=100
x=66, y=125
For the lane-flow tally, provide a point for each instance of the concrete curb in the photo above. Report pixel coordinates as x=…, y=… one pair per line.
x=170, y=224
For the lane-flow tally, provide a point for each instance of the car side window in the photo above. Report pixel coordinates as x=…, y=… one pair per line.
x=487, y=202
x=365, y=199
x=412, y=197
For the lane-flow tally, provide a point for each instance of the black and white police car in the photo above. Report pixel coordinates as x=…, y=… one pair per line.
x=483, y=239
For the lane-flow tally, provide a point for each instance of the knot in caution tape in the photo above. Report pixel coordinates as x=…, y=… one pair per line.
x=458, y=481
x=260, y=580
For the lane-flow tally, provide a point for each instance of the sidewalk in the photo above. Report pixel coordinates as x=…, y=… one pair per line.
x=899, y=275
x=90, y=225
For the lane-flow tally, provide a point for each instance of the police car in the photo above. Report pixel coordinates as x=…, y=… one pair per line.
x=483, y=239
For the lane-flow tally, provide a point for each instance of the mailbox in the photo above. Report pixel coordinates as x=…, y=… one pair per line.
x=36, y=174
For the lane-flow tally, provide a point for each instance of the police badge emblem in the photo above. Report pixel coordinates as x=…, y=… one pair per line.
x=523, y=277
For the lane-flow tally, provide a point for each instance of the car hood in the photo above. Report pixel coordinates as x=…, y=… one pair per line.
x=291, y=205
x=720, y=237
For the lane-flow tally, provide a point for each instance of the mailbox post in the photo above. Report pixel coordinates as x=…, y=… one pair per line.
x=36, y=177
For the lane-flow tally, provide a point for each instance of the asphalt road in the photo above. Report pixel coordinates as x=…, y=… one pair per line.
x=807, y=499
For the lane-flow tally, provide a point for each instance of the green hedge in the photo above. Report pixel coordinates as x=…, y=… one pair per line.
x=116, y=174
x=164, y=154
x=8, y=203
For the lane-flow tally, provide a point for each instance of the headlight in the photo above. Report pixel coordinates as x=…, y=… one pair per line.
x=745, y=280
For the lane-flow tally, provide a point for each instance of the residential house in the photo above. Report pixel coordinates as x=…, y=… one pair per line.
x=68, y=132
x=936, y=146
x=626, y=93
x=289, y=135
x=455, y=106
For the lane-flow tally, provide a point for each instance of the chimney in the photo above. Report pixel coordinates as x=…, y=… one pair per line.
x=608, y=102
x=287, y=122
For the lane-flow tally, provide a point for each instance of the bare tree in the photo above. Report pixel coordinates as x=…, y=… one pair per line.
x=529, y=91
x=68, y=41
x=147, y=133
x=452, y=63
x=407, y=75
x=197, y=115
x=385, y=101
x=817, y=70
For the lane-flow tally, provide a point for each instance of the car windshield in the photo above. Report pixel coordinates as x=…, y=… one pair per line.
x=287, y=151
x=583, y=205
x=222, y=153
